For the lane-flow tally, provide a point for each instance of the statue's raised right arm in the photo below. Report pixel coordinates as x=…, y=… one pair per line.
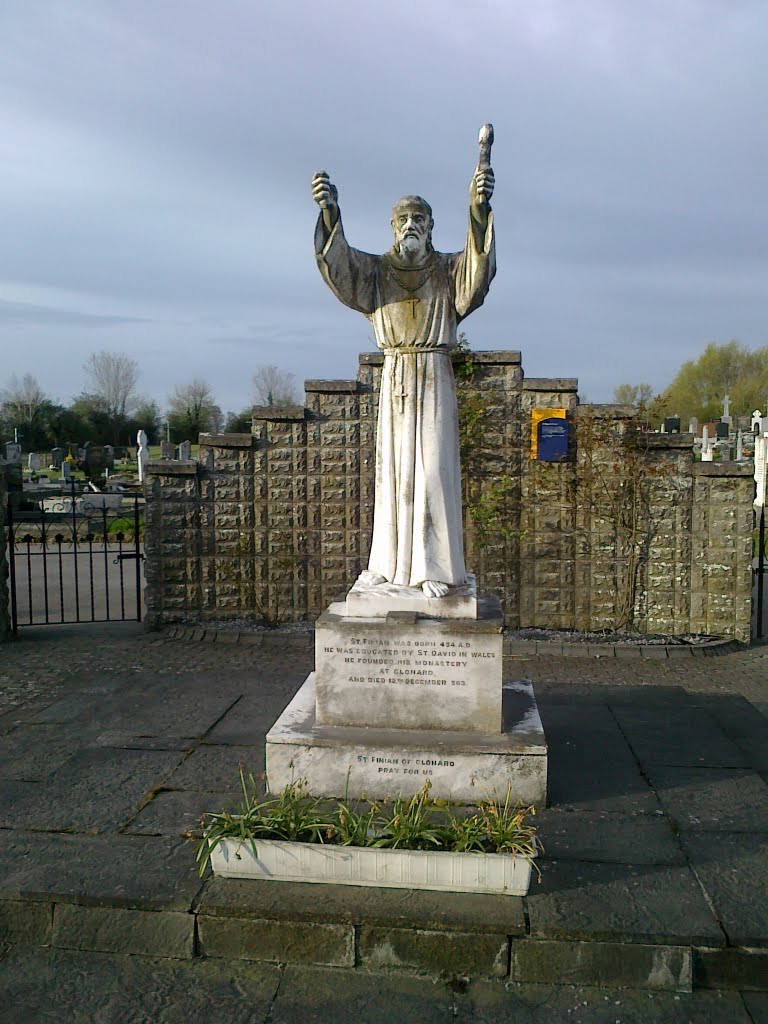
x=349, y=273
x=326, y=195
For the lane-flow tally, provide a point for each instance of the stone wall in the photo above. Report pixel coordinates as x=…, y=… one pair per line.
x=630, y=532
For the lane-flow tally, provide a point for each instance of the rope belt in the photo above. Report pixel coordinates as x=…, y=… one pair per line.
x=406, y=350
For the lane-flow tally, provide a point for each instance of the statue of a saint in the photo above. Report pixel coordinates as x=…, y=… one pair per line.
x=414, y=297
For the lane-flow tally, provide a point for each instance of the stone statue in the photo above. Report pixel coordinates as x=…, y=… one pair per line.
x=414, y=298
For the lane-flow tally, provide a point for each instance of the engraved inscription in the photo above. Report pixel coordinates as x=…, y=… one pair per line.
x=424, y=764
x=430, y=662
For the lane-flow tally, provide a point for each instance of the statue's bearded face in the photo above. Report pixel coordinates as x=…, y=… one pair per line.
x=413, y=231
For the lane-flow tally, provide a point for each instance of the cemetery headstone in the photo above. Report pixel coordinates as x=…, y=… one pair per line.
x=723, y=429
x=57, y=457
x=142, y=454
x=66, y=472
x=167, y=450
x=33, y=462
x=693, y=425
x=671, y=425
x=726, y=417
x=185, y=451
x=94, y=462
x=761, y=468
x=13, y=453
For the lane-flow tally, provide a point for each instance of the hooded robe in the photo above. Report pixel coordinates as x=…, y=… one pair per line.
x=417, y=521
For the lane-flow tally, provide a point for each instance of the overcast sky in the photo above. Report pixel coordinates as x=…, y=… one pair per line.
x=155, y=159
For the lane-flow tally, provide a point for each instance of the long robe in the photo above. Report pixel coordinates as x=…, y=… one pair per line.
x=417, y=521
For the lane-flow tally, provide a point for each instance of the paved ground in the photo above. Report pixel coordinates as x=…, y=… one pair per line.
x=114, y=741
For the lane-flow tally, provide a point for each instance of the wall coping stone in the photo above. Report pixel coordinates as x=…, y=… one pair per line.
x=717, y=646
x=226, y=440
x=345, y=387
x=724, y=469
x=608, y=410
x=277, y=413
x=550, y=384
x=166, y=467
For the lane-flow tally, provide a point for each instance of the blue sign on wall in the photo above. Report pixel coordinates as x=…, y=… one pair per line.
x=553, y=434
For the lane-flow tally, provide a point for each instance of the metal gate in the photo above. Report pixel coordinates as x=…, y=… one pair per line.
x=75, y=557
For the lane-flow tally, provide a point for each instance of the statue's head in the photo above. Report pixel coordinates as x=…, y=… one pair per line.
x=412, y=224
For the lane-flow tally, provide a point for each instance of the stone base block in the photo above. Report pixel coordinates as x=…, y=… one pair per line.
x=367, y=601
x=410, y=672
x=463, y=767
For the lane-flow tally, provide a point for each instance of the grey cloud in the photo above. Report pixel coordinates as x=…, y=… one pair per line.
x=24, y=313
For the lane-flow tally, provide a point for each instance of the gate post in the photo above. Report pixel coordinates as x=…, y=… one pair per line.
x=5, y=620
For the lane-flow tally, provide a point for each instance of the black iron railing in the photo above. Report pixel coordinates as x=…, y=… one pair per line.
x=67, y=555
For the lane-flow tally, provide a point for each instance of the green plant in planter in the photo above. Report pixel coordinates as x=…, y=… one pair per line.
x=496, y=828
x=414, y=823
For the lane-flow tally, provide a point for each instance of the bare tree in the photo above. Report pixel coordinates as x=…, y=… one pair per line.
x=113, y=378
x=22, y=400
x=192, y=410
x=273, y=386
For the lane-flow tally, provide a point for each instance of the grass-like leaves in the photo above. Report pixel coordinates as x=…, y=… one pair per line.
x=413, y=823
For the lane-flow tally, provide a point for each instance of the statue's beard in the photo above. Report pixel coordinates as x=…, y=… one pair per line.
x=410, y=245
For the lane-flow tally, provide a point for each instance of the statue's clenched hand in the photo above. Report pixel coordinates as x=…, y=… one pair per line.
x=481, y=189
x=324, y=193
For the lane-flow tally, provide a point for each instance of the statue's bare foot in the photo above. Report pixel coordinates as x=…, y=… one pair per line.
x=434, y=588
x=371, y=578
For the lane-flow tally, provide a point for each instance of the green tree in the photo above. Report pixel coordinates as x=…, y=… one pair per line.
x=636, y=395
x=146, y=416
x=728, y=369
x=238, y=422
x=192, y=410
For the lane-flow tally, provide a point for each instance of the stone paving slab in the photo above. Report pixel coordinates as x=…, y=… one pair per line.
x=31, y=752
x=688, y=737
x=733, y=868
x=740, y=720
x=718, y=799
x=216, y=767
x=178, y=812
x=757, y=1006
x=248, y=722
x=578, y=780
x=607, y=837
x=95, y=790
x=52, y=986
x=621, y=902
x=147, y=709
x=123, y=871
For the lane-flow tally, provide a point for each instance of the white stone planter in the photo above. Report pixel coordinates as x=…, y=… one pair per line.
x=355, y=865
